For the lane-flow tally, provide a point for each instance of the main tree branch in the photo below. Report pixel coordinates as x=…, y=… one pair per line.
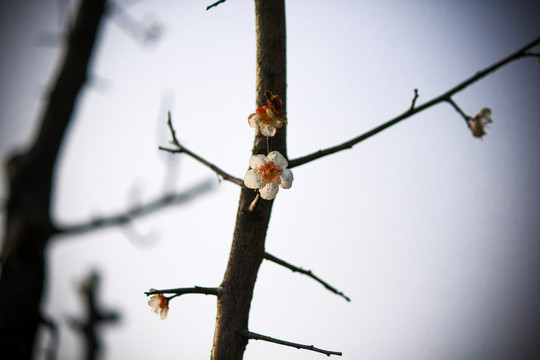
x=293, y=268
x=521, y=53
x=182, y=149
x=254, y=336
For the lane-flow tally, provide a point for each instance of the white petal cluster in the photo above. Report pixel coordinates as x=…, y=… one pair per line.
x=266, y=120
x=268, y=173
x=159, y=303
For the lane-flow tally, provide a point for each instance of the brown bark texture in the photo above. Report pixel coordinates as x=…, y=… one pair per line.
x=247, y=251
x=30, y=176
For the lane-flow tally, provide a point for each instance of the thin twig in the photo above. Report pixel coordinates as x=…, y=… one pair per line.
x=190, y=290
x=215, y=4
x=414, y=100
x=276, y=260
x=466, y=117
x=443, y=97
x=138, y=211
x=182, y=149
x=254, y=336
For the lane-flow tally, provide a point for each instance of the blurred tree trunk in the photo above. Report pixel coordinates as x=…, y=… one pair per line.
x=30, y=176
x=247, y=249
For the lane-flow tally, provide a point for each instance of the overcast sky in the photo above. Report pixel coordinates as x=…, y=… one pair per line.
x=434, y=234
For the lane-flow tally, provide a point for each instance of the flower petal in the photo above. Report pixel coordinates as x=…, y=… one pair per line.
x=286, y=179
x=257, y=160
x=267, y=130
x=484, y=112
x=269, y=191
x=163, y=313
x=253, y=120
x=252, y=179
x=155, y=302
x=278, y=159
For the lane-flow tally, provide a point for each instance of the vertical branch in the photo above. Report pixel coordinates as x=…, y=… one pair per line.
x=30, y=177
x=247, y=249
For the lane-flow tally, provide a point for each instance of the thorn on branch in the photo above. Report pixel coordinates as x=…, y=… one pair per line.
x=254, y=336
x=278, y=261
x=254, y=203
x=413, y=103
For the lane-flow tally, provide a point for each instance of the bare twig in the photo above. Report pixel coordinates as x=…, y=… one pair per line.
x=182, y=149
x=215, y=4
x=414, y=100
x=138, y=211
x=182, y=291
x=254, y=336
x=521, y=53
x=466, y=117
x=276, y=260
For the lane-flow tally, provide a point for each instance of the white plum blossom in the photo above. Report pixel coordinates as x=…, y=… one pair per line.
x=267, y=173
x=270, y=117
x=479, y=123
x=160, y=304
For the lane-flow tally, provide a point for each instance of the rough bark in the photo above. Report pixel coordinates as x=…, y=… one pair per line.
x=30, y=176
x=247, y=251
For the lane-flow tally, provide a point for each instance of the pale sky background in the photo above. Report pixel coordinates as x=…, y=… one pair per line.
x=434, y=234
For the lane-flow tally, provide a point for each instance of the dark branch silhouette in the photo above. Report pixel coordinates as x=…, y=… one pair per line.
x=276, y=260
x=254, y=336
x=183, y=291
x=30, y=176
x=215, y=4
x=95, y=316
x=138, y=211
x=445, y=97
x=413, y=102
x=184, y=150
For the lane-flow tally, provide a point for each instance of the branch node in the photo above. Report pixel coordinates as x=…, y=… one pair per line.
x=413, y=103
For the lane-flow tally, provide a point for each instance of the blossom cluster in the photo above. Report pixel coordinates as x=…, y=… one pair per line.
x=268, y=172
x=270, y=117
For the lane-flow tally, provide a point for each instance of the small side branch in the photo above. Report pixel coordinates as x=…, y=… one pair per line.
x=215, y=4
x=460, y=111
x=182, y=291
x=521, y=53
x=254, y=336
x=182, y=149
x=276, y=260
